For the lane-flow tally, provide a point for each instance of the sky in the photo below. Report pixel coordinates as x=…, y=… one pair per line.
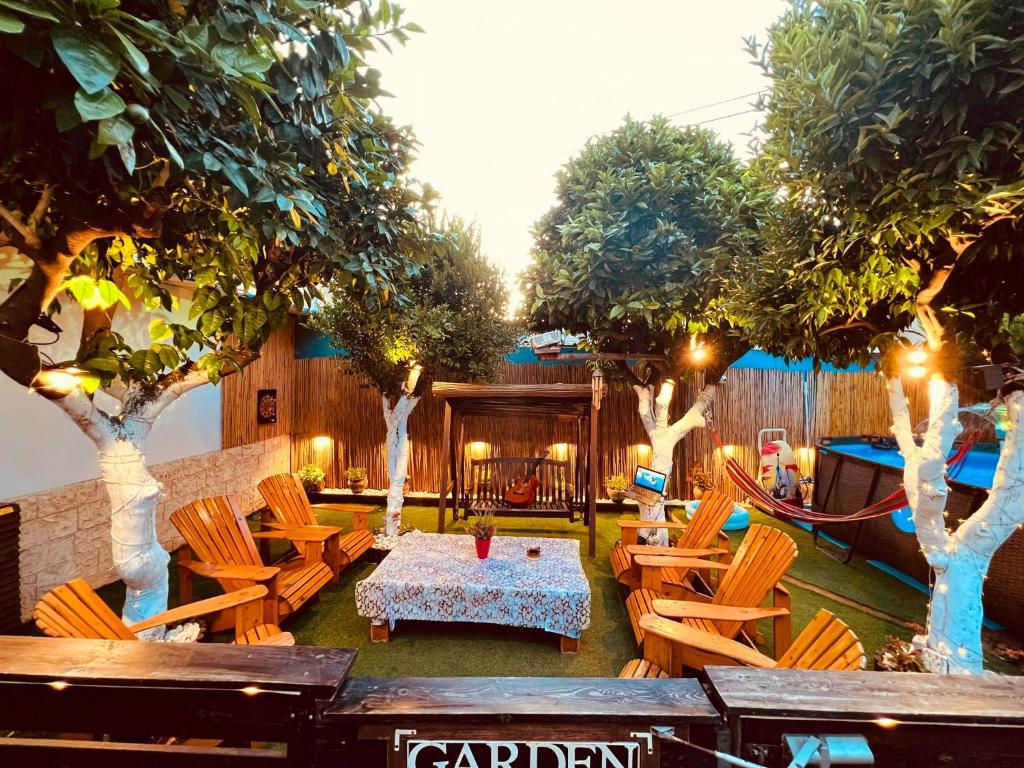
x=501, y=95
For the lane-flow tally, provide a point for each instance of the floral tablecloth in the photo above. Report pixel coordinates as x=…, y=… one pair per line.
x=438, y=577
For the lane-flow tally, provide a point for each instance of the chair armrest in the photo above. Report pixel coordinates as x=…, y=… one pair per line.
x=624, y=523
x=675, y=632
x=650, y=549
x=685, y=609
x=201, y=608
x=305, y=533
x=672, y=561
x=239, y=572
x=353, y=508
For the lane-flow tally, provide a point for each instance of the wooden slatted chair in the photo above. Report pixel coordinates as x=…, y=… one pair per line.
x=761, y=560
x=216, y=532
x=826, y=643
x=290, y=506
x=75, y=610
x=695, y=540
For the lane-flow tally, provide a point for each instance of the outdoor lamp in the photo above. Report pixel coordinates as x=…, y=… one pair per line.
x=916, y=360
x=698, y=352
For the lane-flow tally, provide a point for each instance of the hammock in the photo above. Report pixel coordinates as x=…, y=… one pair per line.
x=763, y=499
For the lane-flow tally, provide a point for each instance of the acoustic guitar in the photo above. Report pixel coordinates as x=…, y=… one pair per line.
x=523, y=490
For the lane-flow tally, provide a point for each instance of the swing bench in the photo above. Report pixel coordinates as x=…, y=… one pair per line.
x=489, y=478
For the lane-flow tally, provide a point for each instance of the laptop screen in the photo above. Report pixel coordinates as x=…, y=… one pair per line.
x=651, y=480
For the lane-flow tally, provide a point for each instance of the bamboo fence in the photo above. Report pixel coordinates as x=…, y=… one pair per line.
x=335, y=419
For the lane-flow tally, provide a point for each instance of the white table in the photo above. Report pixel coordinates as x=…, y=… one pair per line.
x=438, y=577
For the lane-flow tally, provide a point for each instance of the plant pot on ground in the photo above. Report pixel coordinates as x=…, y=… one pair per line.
x=482, y=528
x=356, y=477
x=616, y=486
x=700, y=480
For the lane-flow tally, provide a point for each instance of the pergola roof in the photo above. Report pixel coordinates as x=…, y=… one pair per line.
x=515, y=399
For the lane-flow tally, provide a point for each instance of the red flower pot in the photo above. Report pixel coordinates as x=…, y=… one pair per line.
x=483, y=546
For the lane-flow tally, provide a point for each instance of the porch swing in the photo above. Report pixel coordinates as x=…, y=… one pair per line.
x=560, y=488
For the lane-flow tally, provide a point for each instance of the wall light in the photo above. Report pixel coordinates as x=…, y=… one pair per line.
x=322, y=442
x=698, y=352
x=560, y=451
x=643, y=451
x=478, y=449
x=729, y=450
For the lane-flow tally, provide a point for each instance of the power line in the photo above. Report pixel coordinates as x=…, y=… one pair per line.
x=576, y=141
x=718, y=103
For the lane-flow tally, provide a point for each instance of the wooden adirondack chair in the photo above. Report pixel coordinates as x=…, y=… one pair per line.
x=74, y=610
x=216, y=532
x=826, y=643
x=290, y=506
x=696, y=539
x=761, y=560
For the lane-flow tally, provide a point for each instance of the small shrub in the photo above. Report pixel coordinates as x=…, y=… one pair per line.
x=312, y=478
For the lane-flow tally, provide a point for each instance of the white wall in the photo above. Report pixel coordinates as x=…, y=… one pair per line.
x=39, y=446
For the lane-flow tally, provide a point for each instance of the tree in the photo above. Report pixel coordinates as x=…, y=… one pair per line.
x=633, y=255
x=449, y=326
x=211, y=145
x=893, y=144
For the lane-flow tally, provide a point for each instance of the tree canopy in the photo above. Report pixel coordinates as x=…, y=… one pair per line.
x=230, y=146
x=894, y=145
x=450, y=321
x=648, y=223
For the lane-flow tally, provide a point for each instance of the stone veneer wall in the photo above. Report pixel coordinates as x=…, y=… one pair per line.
x=65, y=532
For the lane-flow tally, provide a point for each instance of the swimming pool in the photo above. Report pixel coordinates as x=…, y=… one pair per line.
x=977, y=469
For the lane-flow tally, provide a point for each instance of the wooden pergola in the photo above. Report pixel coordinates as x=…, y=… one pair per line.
x=581, y=402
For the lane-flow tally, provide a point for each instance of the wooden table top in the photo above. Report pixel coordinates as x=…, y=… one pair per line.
x=867, y=695
x=201, y=665
x=539, y=698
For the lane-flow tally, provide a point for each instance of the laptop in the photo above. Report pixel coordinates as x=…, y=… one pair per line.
x=648, y=486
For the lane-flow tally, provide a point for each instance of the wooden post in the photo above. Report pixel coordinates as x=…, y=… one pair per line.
x=592, y=454
x=442, y=497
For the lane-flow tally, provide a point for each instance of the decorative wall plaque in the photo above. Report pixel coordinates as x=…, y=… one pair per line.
x=266, y=406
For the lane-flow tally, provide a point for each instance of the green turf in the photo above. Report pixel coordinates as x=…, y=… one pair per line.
x=429, y=649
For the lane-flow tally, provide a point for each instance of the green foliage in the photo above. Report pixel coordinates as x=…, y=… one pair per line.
x=311, y=477
x=648, y=222
x=230, y=145
x=894, y=145
x=355, y=474
x=451, y=322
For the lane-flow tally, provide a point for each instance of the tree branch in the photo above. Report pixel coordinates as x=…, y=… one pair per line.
x=41, y=207
x=901, y=427
x=29, y=237
x=696, y=416
x=95, y=423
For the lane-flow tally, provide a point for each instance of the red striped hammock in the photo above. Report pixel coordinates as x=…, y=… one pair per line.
x=764, y=500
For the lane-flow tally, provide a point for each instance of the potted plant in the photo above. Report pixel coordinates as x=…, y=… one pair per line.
x=701, y=480
x=356, y=477
x=312, y=478
x=616, y=486
x=898, y=656
x=482, y=529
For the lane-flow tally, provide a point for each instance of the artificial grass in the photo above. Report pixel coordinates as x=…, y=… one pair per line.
x=447, y=650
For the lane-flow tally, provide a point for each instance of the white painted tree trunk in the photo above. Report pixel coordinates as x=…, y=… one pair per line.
x=396, y=418
x=397, y=444
x=663, y=436
x=959, y=559
x=140, y=561
x=134, y=493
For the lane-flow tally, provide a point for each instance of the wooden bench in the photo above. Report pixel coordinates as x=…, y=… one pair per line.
x=484, y=490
